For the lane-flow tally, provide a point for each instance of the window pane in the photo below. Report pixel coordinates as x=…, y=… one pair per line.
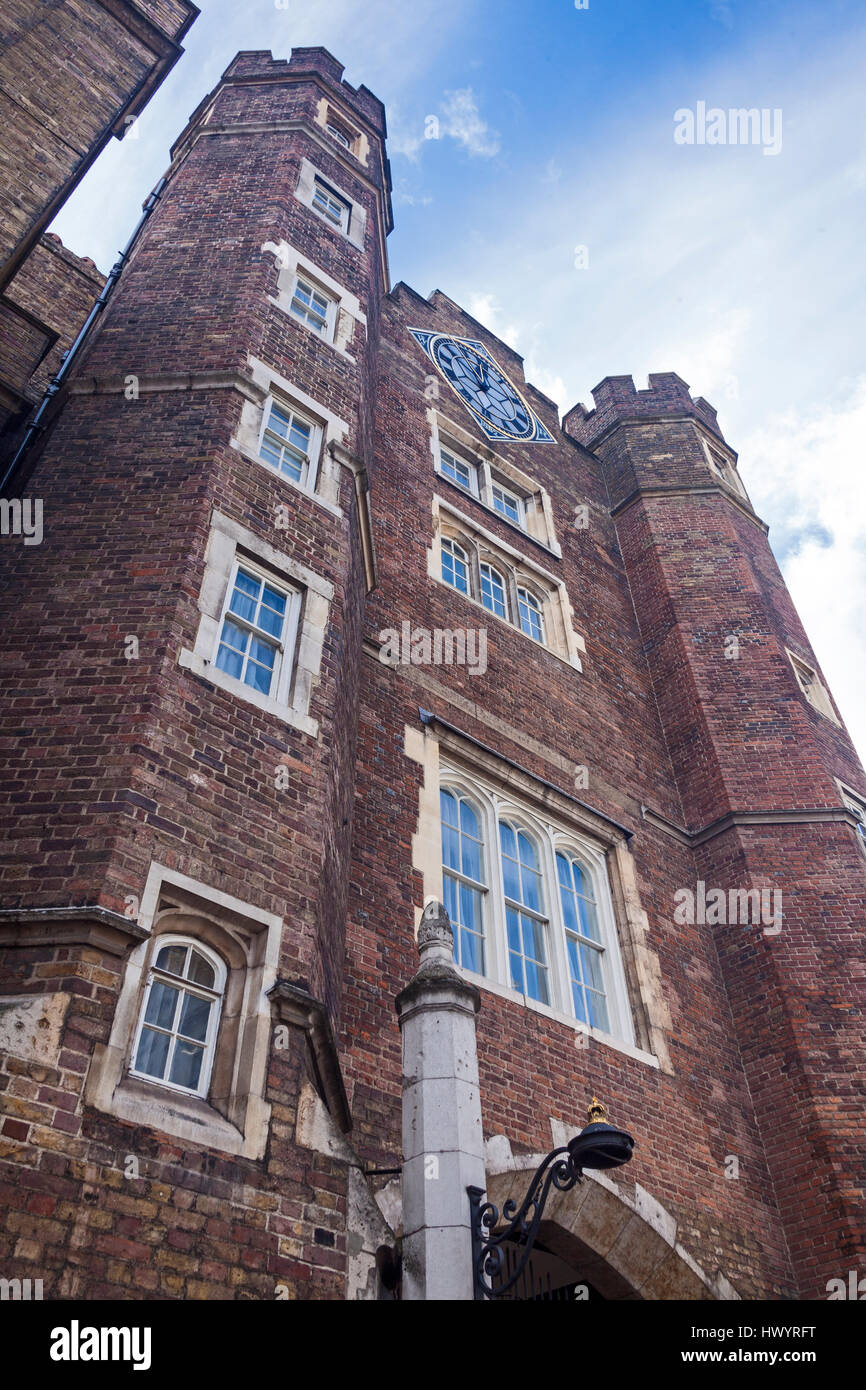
x=472, y=859
x=152, y=1052
x=588, y=919
x=592, y=970
x=448, y=805
x=507, y=839
x=513, y=923
x=598, y=1015
x=161, y=1004
x=244, y=596
x=279, y=421
x=579, y=1002
x=450, y=847
x=186, y=1064
x=194, y=1016
x=200, y=970
x=258, y=677
x=172, y=958
x=511, y=878
x=229, y=661
x=472, y=952
x=569, y=910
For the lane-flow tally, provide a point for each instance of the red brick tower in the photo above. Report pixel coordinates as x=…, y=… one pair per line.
x=181, y=671
x=769, y=783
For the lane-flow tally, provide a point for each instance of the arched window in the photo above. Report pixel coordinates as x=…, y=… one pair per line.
x=583, y=941
x=463, y=882
x=493, y=591
x=531, y=619
x=180, y=1016
x=526, y=923
x=455, y=565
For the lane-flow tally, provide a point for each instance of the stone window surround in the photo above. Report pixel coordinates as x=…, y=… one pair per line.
x=538, y=510
x=648, y=1009
x=228, y=538
x=324, y=476
x=305, y=191
x=235, y=1117
x=856, y=803
x=492, y=806
x=327, y=111
x=562, y=641
x=715, y=455
x=814, y=690
x=347, y=308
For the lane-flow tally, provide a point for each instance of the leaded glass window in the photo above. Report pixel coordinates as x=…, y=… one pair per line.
x=526, y=923
x=583, y=941
x=463, y=877
x=179, y=1017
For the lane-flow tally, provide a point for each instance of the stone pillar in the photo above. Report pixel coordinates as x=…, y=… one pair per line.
x=443, y=1146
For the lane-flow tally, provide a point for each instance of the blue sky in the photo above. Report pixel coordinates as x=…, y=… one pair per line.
x=741, y=271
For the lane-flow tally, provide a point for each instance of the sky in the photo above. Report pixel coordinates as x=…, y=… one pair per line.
x=543, y=179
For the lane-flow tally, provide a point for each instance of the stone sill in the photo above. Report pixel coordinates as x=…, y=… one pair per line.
x=208, y=671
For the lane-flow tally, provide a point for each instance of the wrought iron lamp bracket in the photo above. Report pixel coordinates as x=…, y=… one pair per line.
x=557, y=1170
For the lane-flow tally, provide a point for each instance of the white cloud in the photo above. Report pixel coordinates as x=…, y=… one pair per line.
x=462, y=121
x=486, y=309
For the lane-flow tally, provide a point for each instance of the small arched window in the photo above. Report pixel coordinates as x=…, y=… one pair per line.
x=493, y=591
x=583, y=941
x=531, y=618
x=455, y=565
x=525, y=919
x=180, y=1016
x=463, y=881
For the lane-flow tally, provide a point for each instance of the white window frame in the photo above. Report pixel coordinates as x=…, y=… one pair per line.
x=536, y=607
x=281, y=678
x=326, y=331
x=492, y=807
x=215, y=994
x=479, y=886
x=310, y=469
x=338, y=132
x=472, y=469
x=466, y=559
x=519, y=504
x=330, y=195
x=487, y=565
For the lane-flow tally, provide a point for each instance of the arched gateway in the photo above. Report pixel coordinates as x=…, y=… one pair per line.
x=620, y=1245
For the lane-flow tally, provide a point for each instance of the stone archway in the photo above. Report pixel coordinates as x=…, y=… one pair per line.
x=624, y=1244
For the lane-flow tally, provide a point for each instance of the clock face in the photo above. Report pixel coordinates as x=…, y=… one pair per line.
x=483, y=387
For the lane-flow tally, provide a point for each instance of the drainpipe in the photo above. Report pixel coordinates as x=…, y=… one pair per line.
x=37, y=423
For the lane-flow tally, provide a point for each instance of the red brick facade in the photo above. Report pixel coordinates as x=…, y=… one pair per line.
x=687, y=765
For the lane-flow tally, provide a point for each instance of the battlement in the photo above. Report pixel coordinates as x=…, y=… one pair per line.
x=616, y=398
x=260, y=65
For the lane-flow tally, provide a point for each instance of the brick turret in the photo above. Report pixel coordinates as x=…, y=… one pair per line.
x=761, y=758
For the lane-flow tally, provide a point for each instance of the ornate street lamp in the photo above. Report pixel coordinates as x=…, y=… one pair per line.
x=599, y=1145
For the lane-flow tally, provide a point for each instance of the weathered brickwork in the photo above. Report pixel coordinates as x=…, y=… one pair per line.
x=41, y=313
x=143, y=793
x=71, y=77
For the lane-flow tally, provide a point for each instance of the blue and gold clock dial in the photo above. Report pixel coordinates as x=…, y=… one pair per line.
x=483, y=387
